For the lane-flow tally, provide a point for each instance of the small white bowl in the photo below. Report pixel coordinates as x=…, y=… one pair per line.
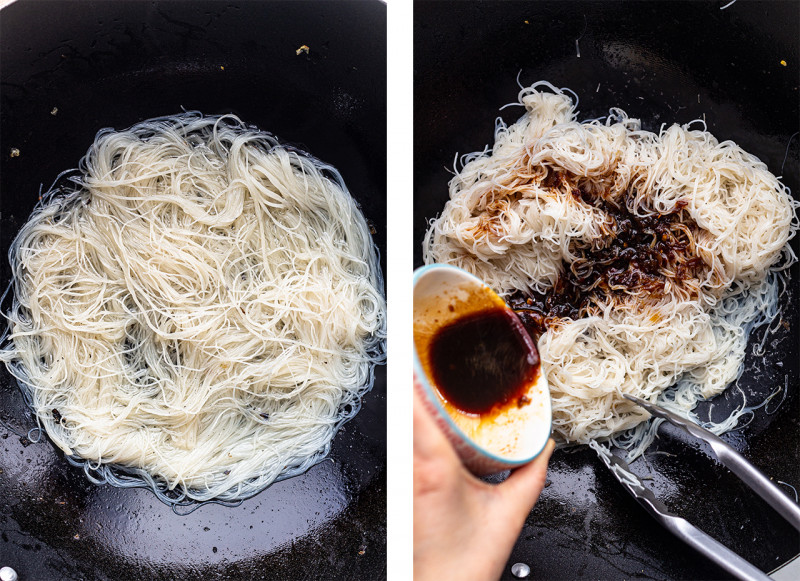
x=489, y=443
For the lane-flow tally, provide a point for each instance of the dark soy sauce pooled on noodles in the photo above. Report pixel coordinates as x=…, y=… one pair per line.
x=484, y=360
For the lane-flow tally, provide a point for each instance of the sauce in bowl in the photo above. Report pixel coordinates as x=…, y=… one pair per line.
x=484, y=360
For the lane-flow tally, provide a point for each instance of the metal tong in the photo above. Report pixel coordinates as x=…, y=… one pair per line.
x=691, y=535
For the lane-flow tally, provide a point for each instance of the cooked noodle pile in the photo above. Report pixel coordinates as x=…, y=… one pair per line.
x=202, y=309
x=552, y=197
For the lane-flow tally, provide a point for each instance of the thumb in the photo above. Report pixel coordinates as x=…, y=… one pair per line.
x=521, y=490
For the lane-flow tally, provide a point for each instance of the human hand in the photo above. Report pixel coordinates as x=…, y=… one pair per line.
x=465, y=528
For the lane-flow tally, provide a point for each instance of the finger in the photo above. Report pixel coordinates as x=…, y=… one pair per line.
x=522, y=489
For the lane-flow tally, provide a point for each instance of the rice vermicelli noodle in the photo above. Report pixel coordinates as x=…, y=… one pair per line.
x=199, y=310
x=643, y=259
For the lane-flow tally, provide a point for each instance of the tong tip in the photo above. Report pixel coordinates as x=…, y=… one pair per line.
x=652, y=408
x=673, y=418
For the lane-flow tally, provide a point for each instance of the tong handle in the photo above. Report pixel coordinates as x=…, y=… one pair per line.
x=756, y=480
x=734, y=461
x=704, y=544
x=711, y=548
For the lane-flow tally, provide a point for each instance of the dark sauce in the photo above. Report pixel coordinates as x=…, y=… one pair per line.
x=638, y=257
x=483, y=361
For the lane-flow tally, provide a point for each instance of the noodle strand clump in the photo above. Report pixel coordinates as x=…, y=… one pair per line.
x=643, y=259
x=201, y=309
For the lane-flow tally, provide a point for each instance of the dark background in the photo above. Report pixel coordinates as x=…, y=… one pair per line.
x=662, y=62
x=112, y=64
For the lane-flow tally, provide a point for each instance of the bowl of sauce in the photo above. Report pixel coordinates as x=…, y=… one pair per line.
x=478, y=371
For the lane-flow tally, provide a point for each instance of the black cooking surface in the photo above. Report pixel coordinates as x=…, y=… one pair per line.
x=71, y=68
x=662, y=62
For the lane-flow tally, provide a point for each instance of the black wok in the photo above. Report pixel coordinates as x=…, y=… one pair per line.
x=71, y=68
x=662, y=62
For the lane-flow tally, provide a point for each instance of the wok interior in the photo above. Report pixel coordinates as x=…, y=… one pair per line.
x=663, y=63
x=70, y=69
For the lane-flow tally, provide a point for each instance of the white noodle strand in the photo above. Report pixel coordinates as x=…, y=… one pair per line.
x=199, y=312
x=505, y=224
